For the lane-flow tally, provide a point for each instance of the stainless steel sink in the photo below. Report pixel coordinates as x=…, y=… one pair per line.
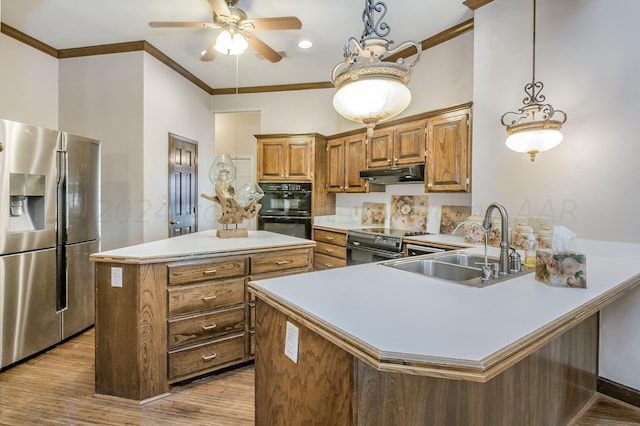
x=458, y=267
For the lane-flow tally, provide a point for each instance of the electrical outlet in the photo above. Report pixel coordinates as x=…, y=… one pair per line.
x=116, y=277
x=291, y=342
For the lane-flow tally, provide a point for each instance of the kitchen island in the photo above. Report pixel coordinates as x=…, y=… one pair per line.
x=174, y=309
x=370, y=344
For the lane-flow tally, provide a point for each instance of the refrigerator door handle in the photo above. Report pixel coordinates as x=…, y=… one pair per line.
x=61, y=193
x=62, y=287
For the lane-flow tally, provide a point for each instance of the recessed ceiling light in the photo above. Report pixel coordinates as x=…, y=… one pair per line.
x=305, y=44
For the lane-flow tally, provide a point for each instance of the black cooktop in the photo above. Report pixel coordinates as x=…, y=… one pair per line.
x=391, y=232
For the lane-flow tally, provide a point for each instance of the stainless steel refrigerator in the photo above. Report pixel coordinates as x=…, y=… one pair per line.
x=49, y=224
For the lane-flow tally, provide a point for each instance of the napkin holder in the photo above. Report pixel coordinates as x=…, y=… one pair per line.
x=561, y=268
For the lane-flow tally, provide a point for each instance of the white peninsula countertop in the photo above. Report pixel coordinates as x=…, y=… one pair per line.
x=401, y=321
x=199, y=244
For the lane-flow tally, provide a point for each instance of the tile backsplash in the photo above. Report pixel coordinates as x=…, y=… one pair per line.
x=349, y=206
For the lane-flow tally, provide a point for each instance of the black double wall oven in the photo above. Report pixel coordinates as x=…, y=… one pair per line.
x=286, y=209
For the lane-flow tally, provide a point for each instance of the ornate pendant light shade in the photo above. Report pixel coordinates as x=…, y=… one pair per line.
x=536, y=126
x=370, y=90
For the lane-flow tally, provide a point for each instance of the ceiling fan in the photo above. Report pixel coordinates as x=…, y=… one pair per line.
x=236, y=32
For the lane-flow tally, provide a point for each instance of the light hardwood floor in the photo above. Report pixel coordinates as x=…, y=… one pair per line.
x=56, y=388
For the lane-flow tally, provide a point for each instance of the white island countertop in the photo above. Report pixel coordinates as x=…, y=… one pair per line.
x=199, y=244
x=402, y=321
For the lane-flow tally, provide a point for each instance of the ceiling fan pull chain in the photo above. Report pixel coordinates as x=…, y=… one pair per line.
x=237, y=59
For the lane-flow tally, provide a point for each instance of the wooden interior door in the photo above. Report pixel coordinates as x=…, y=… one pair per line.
x=183, y=186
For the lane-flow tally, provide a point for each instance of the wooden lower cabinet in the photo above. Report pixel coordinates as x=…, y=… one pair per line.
x=331, y=251
x=329, y=386
x=175, y=320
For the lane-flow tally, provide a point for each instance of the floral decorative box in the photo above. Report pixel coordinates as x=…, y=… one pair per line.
x=561, y=268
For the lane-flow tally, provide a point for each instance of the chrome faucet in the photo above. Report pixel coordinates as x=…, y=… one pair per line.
x=504, y=243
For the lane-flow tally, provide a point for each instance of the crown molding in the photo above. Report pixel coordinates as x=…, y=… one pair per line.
x=475, y=4
x=28, y=40
x=135, y=46
x=441, y=37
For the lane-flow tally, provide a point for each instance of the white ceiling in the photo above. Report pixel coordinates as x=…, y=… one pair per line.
x=64, y=24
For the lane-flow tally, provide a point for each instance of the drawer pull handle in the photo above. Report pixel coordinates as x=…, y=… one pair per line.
x=209, y=327
x=283, y=262
x=210, y=271
x=329, y=250
x=328, y=265
x=329, y=238
x=207, y=298
x=209, y=357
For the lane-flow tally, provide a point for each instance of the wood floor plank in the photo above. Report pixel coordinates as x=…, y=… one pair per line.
x=57, y=388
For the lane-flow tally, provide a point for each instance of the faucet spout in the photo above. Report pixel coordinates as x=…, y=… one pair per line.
x=504, y=243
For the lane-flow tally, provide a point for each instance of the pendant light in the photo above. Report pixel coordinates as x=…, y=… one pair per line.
x=370, y=90
x=536, y=126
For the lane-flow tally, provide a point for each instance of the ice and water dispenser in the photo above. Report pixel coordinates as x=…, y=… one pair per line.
x=26, y=202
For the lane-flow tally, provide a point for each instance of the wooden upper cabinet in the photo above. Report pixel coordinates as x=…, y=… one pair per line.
x=448, y=165
x=271, y=159
x=346, y=156
x=299, y=158
x=409, y=143
x=355, y=148
x=335, y=165
x=380, y=149
x=284, y=159
x=398, y=145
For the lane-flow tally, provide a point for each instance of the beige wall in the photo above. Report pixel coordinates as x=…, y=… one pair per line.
x=101, y=97
x=173, y=105
x=28, y=84
x=587, y=57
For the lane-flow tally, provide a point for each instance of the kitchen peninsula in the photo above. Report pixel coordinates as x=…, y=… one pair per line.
x=370, y=344
x=174, y=309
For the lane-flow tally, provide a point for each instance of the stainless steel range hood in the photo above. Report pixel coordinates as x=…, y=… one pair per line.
x=394, y=175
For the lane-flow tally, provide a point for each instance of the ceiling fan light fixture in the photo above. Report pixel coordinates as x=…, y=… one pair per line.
x=369, y=89
x=536, y=126
x=231, y=43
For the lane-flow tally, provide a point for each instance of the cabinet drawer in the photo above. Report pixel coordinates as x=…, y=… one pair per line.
x=203, y=357
x=336, y=238
x=205, y=296
x=190, y=272
x=278, y=261
x=331, y=250
x=328, y=262
x=198, y=328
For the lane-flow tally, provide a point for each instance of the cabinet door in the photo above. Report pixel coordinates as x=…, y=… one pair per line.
x=408, y=143
x=271, y=158
x=380, y=149
x=355, y=160
x=298, y=160
x=448, y=150
x=335, y=165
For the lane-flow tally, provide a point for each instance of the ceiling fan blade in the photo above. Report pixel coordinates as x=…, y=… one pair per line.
x=262, y=48
x=168, y=24
x=281, y=23
x=210, y=53
x=219, y=7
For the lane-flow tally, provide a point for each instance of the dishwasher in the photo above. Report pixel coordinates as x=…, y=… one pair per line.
x=418, y=250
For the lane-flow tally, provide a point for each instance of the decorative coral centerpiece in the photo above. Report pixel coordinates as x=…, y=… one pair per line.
x=236, y=206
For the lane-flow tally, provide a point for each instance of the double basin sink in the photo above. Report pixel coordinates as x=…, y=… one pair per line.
x=458, y=267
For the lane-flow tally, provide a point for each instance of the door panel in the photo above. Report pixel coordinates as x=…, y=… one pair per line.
x=30, y=322
x=29, y=155
x=80, y=312
x=82, y=189
x=183, y=186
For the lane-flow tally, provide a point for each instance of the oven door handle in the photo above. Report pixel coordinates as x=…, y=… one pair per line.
x=382, y=253
x=287, y=218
